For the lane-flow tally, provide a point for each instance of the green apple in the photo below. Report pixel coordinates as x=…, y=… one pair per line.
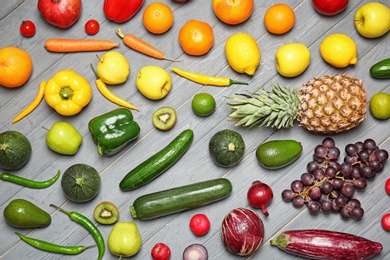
x=113, y=68
x=292, y=59
x=124, y=239
x=63, y=138
x=153, y=82
x=372, y=19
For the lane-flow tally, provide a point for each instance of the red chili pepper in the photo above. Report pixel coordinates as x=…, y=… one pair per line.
x=120, y=11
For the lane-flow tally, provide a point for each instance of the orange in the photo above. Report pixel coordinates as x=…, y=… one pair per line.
x=233, y=11
x=157, y=18
x=196, y=37
x=15, y=67
x=279, y=19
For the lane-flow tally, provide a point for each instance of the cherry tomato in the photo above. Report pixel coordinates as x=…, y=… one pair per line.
x=387, y=186
x=161, y=251
x=386, y=222
x=92, y=27
x=200, y=224
x=27, y=28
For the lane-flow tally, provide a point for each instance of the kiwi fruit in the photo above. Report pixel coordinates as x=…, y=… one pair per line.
x=164, y=118
x=106, y=213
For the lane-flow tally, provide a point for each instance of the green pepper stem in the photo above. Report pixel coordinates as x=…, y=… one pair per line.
x=238, y=82
x=60, y=209
x=94, y=71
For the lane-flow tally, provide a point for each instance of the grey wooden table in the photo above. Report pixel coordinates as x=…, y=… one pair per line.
x=310, y=28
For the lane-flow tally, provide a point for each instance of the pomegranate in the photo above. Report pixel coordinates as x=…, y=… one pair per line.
x=60, y=13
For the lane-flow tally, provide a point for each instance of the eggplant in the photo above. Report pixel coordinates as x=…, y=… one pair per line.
x=327, y=245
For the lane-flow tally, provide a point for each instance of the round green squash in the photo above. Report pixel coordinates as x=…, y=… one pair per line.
x=226, y=148
x=80, y=182
x=15, y=150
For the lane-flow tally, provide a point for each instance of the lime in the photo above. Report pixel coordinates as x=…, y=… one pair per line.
x=380, y=105
x=203, y=104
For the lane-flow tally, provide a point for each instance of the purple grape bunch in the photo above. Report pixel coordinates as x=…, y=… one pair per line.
x=329, y=186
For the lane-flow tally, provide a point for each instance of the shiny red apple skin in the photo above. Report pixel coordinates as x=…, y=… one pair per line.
x=60, y=13
x=329, y=7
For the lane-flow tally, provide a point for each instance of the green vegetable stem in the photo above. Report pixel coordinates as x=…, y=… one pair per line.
x=53, y=248
x=29, y=183
x=88, y=225
x=113, y=130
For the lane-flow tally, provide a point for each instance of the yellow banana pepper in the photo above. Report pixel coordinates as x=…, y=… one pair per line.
x=68, y=92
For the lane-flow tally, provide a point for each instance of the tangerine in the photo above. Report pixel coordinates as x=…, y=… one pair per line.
x=233, y=12
x=157, y=18
x=15, y=67
x=279, y=19
x=196, y=37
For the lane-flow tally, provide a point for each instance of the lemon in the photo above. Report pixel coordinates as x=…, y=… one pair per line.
x=380, y=105
x=242, y=53
x=339, y=50
x=203, y=104
x=292, y=59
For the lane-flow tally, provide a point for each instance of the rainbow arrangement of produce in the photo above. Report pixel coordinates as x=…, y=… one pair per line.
x=195, y=130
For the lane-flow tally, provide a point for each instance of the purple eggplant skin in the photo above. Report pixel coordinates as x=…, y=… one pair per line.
x=327, y=245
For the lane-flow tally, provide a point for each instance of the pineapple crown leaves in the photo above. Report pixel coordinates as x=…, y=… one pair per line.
x=277, y=108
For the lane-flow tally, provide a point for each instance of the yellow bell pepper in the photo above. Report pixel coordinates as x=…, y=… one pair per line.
x=68, y=92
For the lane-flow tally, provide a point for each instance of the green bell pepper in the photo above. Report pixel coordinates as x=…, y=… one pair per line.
x=113, y=130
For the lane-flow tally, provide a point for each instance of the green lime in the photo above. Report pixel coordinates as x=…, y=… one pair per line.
x=380, y=105
x=203, y=104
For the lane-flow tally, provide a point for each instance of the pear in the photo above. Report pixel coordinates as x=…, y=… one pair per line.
x=124, y=239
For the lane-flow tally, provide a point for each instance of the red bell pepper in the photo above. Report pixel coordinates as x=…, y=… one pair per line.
x=120, y=11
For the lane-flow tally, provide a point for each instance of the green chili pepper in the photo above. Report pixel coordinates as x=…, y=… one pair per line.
x=29, y=183
x=113, y=130
x=53, y=248
x=88, y=225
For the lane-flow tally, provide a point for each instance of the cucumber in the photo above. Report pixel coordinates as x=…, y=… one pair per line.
x=326, y=244
x=158, y=163
x=381, y=69
x=179, y=199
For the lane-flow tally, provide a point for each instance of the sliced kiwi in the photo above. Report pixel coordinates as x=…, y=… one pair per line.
x=106, y=213
x=164, y=118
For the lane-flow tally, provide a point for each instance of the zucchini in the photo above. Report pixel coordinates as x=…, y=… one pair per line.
x=181, y=198
x=158, y=163
x=325, y=244
x=381, y=69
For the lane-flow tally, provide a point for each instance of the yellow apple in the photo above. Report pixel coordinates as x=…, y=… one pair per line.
x=372, y=19
x=292, y=59
x=113, y=68
x=153, y=82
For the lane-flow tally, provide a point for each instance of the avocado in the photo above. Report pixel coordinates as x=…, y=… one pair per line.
x=278, y=153
x=21, y=213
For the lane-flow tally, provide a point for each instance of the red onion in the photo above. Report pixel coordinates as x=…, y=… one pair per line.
x=260, y=195
x=242, y=232
x=195, y=252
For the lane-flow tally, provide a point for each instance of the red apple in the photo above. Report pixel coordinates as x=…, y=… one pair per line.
x=60, y=13
x=329, y=7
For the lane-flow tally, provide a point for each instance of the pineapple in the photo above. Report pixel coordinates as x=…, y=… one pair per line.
x=329, y=104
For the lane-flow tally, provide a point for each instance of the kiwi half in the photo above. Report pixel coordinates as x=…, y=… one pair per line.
x=106, y=213
x=164, y=118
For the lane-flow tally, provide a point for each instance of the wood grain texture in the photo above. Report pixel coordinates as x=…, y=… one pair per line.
x=310, y=28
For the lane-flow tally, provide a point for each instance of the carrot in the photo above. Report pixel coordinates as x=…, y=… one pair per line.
x=78, y=45
x=141, y=46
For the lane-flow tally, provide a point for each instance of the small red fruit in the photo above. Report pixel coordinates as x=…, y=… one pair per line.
x=27, y=28
x=329, y=7
x=387, y=186
x=200, y=224
x=92, y=27
x=386, y=222
x=161, y=251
